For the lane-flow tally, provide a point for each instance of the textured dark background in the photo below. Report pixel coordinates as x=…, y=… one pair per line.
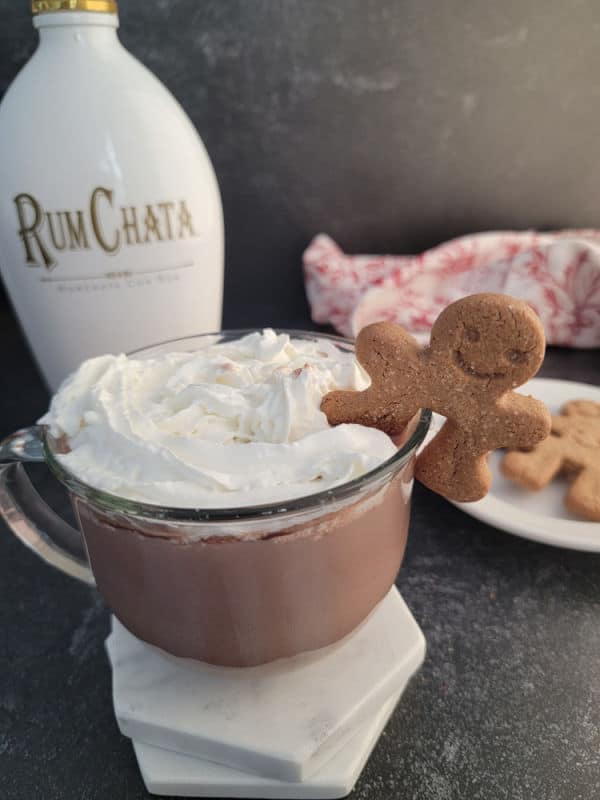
x=390, y=124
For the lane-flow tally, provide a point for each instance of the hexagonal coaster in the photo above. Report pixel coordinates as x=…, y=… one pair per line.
x=169, y=773
x=282, y=720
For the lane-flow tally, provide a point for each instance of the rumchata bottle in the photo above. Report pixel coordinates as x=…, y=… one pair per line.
x=111, y=227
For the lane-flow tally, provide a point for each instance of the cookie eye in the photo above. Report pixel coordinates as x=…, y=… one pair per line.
x=516, y=356
x=472, y=335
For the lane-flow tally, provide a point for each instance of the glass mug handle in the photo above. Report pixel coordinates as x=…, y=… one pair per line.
x=29, y=517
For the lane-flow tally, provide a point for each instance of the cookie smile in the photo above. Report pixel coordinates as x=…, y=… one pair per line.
x=464, y=365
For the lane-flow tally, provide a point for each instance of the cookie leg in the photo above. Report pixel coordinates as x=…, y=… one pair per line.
x=450, y=467
x=583, y=497
x=534, y=469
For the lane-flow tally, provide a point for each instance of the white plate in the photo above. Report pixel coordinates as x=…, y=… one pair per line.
x=540, y=516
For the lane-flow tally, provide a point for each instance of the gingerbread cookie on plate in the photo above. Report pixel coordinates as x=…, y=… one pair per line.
x=573, y=448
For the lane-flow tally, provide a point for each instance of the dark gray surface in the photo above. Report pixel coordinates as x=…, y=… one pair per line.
x=390, y=124
x=506, y=707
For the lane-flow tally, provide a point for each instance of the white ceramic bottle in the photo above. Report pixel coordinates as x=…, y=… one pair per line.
x=111, y=227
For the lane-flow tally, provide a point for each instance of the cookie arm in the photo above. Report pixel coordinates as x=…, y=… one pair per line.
x=534, y=469
x=391, y=357
x=526, y=421
x=366, y=408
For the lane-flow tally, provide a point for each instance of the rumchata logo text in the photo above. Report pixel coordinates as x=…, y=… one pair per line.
x=44, y=234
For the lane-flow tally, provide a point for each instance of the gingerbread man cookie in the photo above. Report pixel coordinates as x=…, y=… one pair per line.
x=573, y=448
x=481, y=348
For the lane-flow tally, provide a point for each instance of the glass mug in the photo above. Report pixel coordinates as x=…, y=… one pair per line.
x=234, y=587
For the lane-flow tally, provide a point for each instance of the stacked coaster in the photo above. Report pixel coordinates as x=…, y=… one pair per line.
x=295, y=728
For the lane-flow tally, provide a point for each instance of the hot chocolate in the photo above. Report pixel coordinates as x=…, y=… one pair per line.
x=241, y=601
x=224, y=519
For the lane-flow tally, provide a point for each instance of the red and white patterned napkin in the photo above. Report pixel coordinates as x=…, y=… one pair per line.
x=558, y=274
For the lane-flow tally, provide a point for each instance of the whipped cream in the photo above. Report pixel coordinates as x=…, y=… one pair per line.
x=234, y=424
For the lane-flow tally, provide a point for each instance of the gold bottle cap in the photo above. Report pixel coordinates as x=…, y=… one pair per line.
x=98, y=6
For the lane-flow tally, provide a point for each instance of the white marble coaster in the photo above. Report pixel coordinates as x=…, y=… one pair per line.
x=168, y=773
x=281, y=720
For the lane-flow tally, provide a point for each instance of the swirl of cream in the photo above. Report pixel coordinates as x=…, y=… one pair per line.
x=234, y=424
